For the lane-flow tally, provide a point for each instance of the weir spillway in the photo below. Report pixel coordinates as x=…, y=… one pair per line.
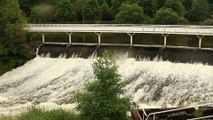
x=156, y=83
x=130, y=30
x=161, y=76
x=164, y=50
x=166, y=54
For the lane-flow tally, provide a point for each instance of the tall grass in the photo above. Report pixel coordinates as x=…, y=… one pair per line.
x=39, y=114
x=7, y=118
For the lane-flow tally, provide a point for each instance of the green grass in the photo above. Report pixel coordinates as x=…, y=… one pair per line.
x=39, y=114
x=7, y=118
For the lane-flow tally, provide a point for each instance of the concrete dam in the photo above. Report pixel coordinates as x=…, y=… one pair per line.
x=161, y=75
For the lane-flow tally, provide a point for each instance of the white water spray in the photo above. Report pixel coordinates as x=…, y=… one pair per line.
x=52, y=82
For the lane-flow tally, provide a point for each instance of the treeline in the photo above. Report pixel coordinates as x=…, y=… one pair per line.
x=119, y=11
x=13, y=47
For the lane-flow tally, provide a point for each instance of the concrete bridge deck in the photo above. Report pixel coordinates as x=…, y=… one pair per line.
x=130, y=29
x=123, y=28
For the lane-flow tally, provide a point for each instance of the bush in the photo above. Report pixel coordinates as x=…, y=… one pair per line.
x=198, y=113
x=208, y=22
x=168, y=16
x=102, y=100
x=39, y=114
x=6, y=118
x=130, y=14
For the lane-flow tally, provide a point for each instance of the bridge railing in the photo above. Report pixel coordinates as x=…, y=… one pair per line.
x=123, y=28
x=173, y=110
x=209, y=117
x=120, y=25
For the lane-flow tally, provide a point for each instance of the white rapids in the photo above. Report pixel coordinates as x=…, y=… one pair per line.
x=51, y=82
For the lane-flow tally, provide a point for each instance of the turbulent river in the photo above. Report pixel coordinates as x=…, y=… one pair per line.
x=51, y=82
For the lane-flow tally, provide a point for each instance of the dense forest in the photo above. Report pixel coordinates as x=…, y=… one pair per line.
x=119, y=11
x=13, y=45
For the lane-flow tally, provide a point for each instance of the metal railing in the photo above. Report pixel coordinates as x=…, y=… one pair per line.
x=165, y=30
x=119, y=25
x=174, y=110
x=123, y=28
x=201, y=118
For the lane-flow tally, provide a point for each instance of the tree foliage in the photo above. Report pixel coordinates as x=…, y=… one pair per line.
x=168, y=16
x=160, y=3
x=43, y=13
x=187, y=4
x=105, y=12
x=150, y=7
x=115, y=6
x=92, y=11
x=208, y=22
x=102, y=98
x=79, y=9
x=65, y=12
x=12, y=48
x=87, y=10
x=130, y=13
x=26, y=5
x=176, y=6
x=199, y=11
x=95, y=11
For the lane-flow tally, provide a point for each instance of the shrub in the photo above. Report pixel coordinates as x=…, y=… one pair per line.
x=39, y=114
x=102, y=100
x=208, y=22
x=7, y=118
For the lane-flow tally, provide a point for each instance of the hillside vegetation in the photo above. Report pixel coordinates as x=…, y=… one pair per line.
x=119, y=11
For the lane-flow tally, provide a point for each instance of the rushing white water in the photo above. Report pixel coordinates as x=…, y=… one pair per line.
x=52, y=82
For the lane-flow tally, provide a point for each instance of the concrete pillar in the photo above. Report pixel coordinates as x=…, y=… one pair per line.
x=99, y=38
x=154, y=117
x=200, y=41
x=37, y=50
x=43, y=38
x=165, y=40
x=70, y=37
x=131, y=38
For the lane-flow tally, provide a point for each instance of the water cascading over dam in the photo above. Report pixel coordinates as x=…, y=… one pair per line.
x=170, y=54
x=155, y=83
x=160, y=76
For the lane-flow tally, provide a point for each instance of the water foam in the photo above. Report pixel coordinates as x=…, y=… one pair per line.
x=52, y=82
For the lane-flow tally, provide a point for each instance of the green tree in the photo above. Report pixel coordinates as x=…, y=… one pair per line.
x=92, y=11
x=102, y=98
x=116, y=4
x=199, y=11
x=12, y=47
x=105, y=12
x=160, y=3
x=79, y=9
x=43, y=13
x=66, y=11
x=26, y=5
x=150, y=7
x=211, y=9
x=130, y=13
x=187, y=4
x=210, y=1
x=87, y=10
x=208, y=22
x=176, y=6
x=168, y=16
